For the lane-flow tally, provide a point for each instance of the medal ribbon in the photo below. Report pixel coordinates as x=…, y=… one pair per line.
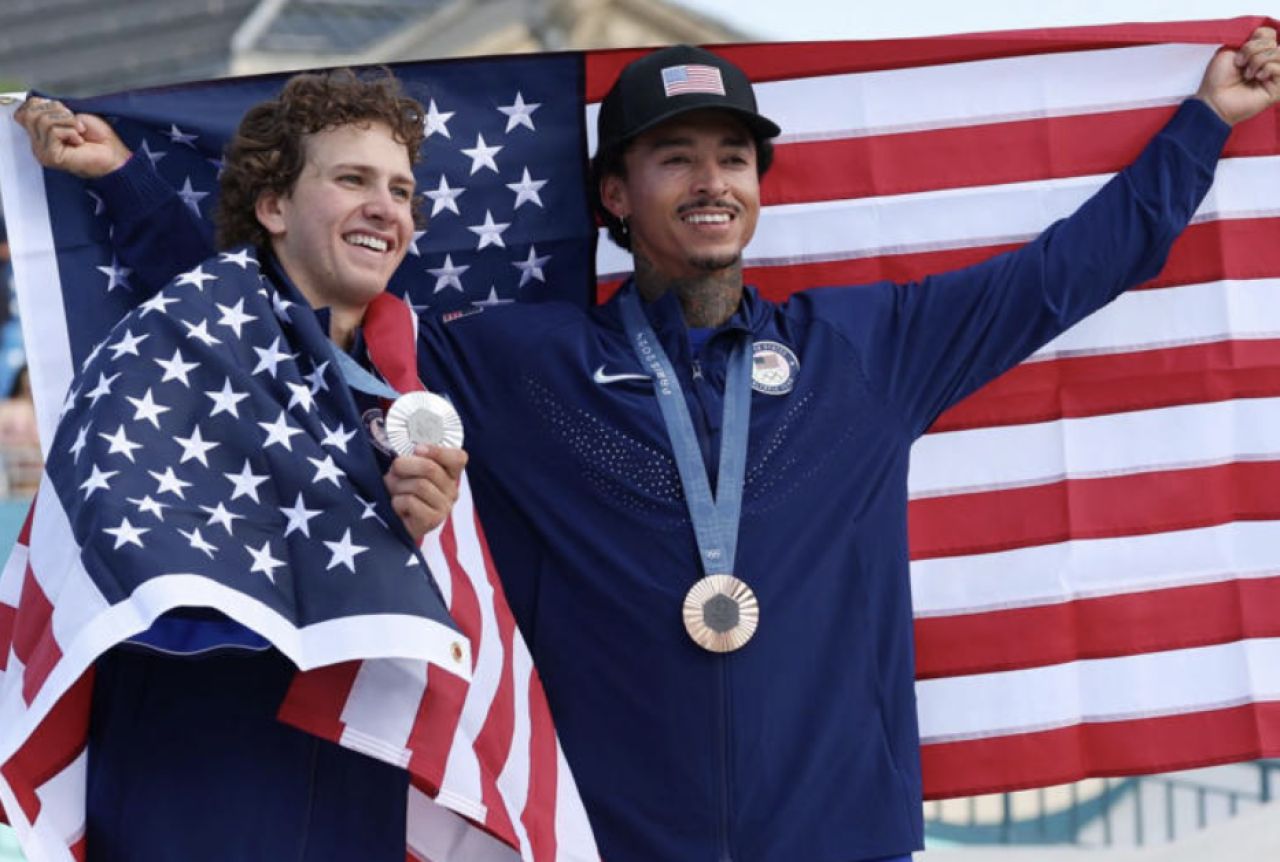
x=389, y=339
x=715, y=517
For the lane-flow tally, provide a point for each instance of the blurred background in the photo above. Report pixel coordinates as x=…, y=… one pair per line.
x=83, y=47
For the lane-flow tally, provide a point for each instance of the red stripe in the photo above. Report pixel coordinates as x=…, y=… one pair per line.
x=8, y=616
x=1106, y=748
x=539, y=816
x=1130, y=624
x=808, y=59
x=493, y=743
x=441, y=707
x=316, y=699
x=1115, y=383
x=1106, y=507
x=989, y=154
x=1211, y=251
x=34, y=641
x=52, y=746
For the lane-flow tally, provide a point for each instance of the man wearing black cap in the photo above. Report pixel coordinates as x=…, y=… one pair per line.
x=697, y=498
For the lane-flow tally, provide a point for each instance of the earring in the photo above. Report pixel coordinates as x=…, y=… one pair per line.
x=622, y=222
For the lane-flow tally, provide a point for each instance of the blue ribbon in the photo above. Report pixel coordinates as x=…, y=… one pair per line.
x=360, y=378
x=715, y=517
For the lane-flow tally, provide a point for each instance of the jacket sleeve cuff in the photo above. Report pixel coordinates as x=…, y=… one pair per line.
x=1199, y=131
x=132, y=189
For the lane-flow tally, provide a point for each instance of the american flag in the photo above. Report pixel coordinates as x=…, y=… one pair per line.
x=1093, y=535
x=691, y=78
x=157, y=491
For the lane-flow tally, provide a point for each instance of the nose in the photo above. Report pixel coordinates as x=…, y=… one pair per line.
x=709, y=178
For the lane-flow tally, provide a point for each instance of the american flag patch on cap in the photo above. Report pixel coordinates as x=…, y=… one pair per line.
x=692, y=78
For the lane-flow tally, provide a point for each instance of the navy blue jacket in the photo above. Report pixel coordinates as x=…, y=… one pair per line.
x=804, y=744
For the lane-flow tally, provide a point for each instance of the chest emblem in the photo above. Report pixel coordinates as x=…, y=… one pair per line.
x=774, y=368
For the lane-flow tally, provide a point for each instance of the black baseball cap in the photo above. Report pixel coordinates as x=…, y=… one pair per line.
x=673, y=81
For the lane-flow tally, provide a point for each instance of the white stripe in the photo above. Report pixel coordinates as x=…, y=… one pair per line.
x=1175, y=316
x=57, y=568
x=62, y=813
x=574, y=840
x=382, y=707
x=1095, y=446
x=1147, y=685
x=958, y=218
x=961, y=94
x=1090, y=568
x=35, y=271
x=433, y=553
x=436, y=834
x=513, y=781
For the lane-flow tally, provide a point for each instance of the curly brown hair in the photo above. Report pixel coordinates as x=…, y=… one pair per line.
x=268, y=150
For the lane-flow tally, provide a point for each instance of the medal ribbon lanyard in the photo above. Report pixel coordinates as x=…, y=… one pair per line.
x=715, y=517
x=359, y=378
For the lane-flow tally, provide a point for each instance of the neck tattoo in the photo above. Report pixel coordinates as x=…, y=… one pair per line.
x=707, y=300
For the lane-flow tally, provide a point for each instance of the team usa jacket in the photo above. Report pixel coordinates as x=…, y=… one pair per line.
x=802, y=744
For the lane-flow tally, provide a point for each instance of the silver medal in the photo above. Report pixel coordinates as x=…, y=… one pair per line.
x=422, y=417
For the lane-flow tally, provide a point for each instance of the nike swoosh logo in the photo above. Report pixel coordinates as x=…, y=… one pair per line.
x=600, y=377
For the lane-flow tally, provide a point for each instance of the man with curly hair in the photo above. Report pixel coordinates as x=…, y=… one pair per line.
x=186, y=757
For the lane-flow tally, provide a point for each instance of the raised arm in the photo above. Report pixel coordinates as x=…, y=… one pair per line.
x=155, y=234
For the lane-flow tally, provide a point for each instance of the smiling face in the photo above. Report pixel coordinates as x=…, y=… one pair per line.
x=345, y=226
x=690, y=195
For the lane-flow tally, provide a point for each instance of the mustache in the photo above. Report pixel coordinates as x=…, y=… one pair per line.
x=710, y=203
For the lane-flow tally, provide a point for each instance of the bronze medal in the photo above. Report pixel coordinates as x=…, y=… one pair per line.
x=721, y=613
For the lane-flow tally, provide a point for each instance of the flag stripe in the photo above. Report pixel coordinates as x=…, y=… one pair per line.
x=1046, y=574
x=1160, y=744
x=1131, y=505
x=1110, y=626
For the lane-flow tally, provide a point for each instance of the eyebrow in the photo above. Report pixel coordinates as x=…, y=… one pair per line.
x=359, y=167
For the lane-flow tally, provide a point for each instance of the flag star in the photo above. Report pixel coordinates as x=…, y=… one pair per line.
x=201, y=333
x=190, y=196
x=279, y=432
x=482, y=154
x=126, y=534
x=234, y=317
x=269, y=358
x=68, y=402
x=93, y=354
x=344, y=552
x=412, y=561
x=160, y=302
x=241, y=258
x=299, y=517
x=196, y=276
x=316, y=378
x=436, y=121
x=97, y=480
x=413, y=243
x=198, y=542
x=102, y=388
x=531, y=267
x=246, y=483
x=326, y=470
x=520, y=113
x=128, y=344
x=81, y=438
x=225, y=401
x=169, y=483
x=491, y=300
x=146, y=504
x=338, y=438
x=195, y=447
x=217, y=165
x=280, y=306
x=448, y=275
x=180, y=137
x=263, y=561
x=221, y=515
x=369, y=511
x=120, y=443
x=444, y=198
x=146, y=408
x=527, y=190
x=301, y=395
x=98, y=206
x=176, y=368
x=490, y=232
x=154, y=155
x=117, y=275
